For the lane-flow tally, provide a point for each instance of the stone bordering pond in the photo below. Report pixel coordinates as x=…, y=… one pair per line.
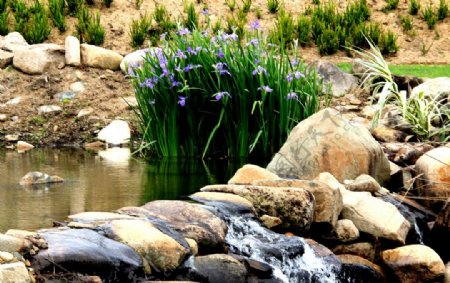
x=376, y=237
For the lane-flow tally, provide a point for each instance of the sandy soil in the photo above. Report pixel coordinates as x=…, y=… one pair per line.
x=105, y=89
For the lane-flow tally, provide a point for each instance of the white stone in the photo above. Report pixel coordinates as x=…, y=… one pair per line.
x=437, y=88
x=85, y=112
x=11, y=138
x=49, y=108
x=77, y=87
x=73, y=53
x=135, y=59
x=3, y=117
x=14, y=273
x=98, y=57
x=117, y=132
x=6, y=58
x=13, y=41
x=14, y=101
x=39, y=58
x=23, y=146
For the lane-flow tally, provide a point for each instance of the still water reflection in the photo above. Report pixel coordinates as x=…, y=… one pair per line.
x=101, y=181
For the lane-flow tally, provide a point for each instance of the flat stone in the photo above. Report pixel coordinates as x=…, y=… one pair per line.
x=15, y=272
x=236, y=201
x=77, y=87
x=85, y=112
x=250, y=173
x=6, y=58
x=49, y=109
x=117, y=132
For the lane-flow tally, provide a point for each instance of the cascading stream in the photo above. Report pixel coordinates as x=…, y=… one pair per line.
x=291, y=258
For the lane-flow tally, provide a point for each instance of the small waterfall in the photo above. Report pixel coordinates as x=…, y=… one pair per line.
x=419, y=233
x=292, y=259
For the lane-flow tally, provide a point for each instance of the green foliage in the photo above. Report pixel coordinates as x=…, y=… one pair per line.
x=442, y=11
x=388, y=43
x=414, y=7
x=429, y=16
x=191, y=21
x=406, y=22
x=89, y=28
x=217, y=26
x=32, y=22
x=21, y=15
x=4, y=22
x=246, y=5
x=220, y=97
x=107, y=3
x=138, y=3
x=284, y=30
x=74, y=6
x=56, y=8
x=3, y=5
x=258, y=13
x=304, y=30
x=231, y=4
x=316, y=2
x=328, y=42
x=391, y=5
x=424, y=48
x=139, y=29
x=273, y=6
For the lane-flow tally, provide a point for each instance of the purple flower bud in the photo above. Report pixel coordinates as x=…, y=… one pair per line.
x=182, y=100
x=292, y=95
x=255, y=25
x=221, y=95
x=259, y=70
x=265, y=88
x=205, y=12
x=184, y=31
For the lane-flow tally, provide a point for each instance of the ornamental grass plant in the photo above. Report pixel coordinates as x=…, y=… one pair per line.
x=212, y=95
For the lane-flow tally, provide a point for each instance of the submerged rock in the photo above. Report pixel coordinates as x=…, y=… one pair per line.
x=327, y=142
x=87, y=252
x=192, y=221
x=294, y=206
x=414, y=263
x=250, y=173
x=221, y=268
x=32, y=178
x=14, y=273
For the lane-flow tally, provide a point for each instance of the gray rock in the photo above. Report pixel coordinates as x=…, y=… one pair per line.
x=436, y=89
x=294, y=206
x=6, y=58
x=39, y=58
x=65, y=95
x=221, y=268
x=73, y=53
x=341, y=83
x=32, y=178
x=13, y=41
x=98, y=57
x=10, y=244
x=327, y=142
x=14, y=273
x=49, y=109
x=14, y=101
x=84, y=251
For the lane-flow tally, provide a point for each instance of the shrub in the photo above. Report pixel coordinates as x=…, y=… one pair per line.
x=210, y=96
x=107, y=3
x=4, y=23
x=273, y=6
x=258, y=13
x=162, y=18
x=191, y=21
x=414, y=7
x=21, y=15
x=56, y=8
x=246, y=5
x=328, y=42
x=89, y=28
x=138, y=3
x=442, y=11
x=388, y=43
x=391, y=5
x=139, y=29
x=316, y=2
x=303, y=30
x=429, y=16
x=283, y=32
x=3, y=5
x=32, y=23
x=74, y=6
x=231, y=4
x=406, y=22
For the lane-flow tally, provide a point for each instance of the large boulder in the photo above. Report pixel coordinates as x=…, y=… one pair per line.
x=117, y=132
x=358, y=269
x=250, y=173
x=85, y=251
x=192, y=221
x=221, y=268
x=374, y=216
x=437, y=88
x=362, y=249
x=161, y=252
x=434, y=182
x=340, y=83
x=327, y=142
x=230, y=201
x=39, y=58
x=328, y=200
x=136, y=59
x=294, y=206
x=6, y=58
x=14, y=273
x=13, y=41
x=98, y=57
x=414, y=263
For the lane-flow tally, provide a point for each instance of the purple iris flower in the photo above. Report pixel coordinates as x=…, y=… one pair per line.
x=298, y=75
x=292, y=95
x=265, y=88
x=221, y=95
x=253, y=42
x=259, y=70
x=184, y=31
x=205, y=12
x=174, y=82
x=182, y=100
x=255, y=25
x=180, y=54
x=220, y=54
x=149, y=82
x=294, y=63
x=222, y=68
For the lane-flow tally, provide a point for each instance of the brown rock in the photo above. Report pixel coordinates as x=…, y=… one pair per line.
x=344, y=231
x=221, y=268
x=350, y=261
x=250, y=173
x=364, y=183
x=365, y=250
x=270, y=221
x=210, y=197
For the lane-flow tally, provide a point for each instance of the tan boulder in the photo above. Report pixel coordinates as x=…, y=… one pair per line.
x=328, y=200
x=364, y=249
x=98, y=57
x=210, y=197
x=294, y=206
x=414, y=263
x=371, y=272
x=15, y=272
x=39, y=58
x=327, y=142
x=250, y=173
x=363, y=183
x=344, y=231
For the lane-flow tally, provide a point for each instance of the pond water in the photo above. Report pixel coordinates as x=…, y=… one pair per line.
x=95, y=181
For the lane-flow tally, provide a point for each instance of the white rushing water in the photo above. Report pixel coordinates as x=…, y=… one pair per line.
x=248, y=238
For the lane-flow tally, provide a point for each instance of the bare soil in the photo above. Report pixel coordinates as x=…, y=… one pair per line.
x=105, y=89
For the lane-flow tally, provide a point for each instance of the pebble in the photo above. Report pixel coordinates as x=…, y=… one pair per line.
x=14, y=101
x=77, y=87
x=6, y=257
x=12, y=138
x=85, y=112
x=49, y=108
x=355, y=101
x=3, y=117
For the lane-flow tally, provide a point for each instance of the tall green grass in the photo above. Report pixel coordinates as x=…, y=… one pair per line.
x=4, y=18
x=205, y=95
x=56, y=8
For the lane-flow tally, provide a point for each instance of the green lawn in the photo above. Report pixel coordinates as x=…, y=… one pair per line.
x=422, y=71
